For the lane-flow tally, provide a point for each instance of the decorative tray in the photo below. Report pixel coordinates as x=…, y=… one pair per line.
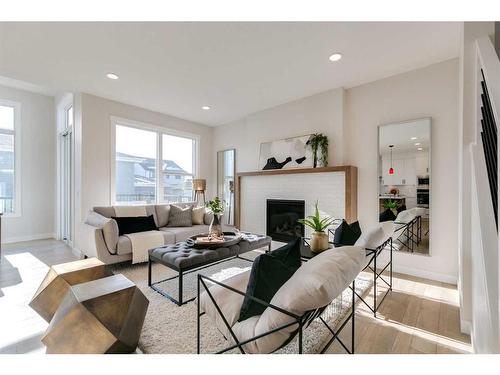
x=203, y=241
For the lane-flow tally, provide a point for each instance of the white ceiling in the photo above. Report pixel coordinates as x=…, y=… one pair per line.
x=400, y=136
x=236, y=68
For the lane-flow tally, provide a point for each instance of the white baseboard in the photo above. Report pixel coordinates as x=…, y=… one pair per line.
x=436, y=276
x=33, y=237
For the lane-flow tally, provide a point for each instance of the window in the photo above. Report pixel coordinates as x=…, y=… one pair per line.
x=136, y=154
x=177, y=159
x=9, y=149
x=152, y=166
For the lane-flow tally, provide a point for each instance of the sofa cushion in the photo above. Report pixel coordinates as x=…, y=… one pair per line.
x=198, y=215
x=183, y=233
x=132, y=224
x=106, y=211
x=269, y=273
x=124, y=245
x=180, y=216
x=162, y=213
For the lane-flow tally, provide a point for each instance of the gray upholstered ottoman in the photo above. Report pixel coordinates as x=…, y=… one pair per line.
x=185, y=259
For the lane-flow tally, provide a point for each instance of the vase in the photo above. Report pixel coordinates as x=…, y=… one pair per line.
x=215, y=228
x=319, y=242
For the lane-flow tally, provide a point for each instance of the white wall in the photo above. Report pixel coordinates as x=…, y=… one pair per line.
x=428, y=92
x=93, y=153
x=470, y=31
x=350, y=119
x=321, y=113
x=38, y=168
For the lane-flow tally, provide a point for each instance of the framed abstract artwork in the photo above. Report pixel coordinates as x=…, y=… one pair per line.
x=286, y=153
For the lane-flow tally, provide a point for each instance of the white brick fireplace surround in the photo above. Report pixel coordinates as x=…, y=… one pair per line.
x=332, y=187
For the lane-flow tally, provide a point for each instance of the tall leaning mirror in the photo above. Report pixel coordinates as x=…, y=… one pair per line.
x=225, y=182
x=404, y=179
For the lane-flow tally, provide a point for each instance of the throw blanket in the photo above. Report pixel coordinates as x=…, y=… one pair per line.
x=129, y=211
x=142, y=242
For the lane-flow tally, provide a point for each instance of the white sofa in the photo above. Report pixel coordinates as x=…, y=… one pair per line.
x=113, y=248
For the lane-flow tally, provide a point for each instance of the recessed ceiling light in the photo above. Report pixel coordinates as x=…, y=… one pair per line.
x=420, y=149
x=112, y=76
x=413, y=138
x=417, y=144
x=205, y=107
x=335, y=57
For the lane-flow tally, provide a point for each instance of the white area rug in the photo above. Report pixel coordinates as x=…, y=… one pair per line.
x=169, y=328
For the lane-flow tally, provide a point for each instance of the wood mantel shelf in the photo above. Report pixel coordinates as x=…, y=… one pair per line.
x=268, y=172
x=351, y=186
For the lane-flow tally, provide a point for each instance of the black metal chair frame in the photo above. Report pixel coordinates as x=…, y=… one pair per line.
x=412, y=232
x=180, y=274
x=302, y=321
x=378, y=275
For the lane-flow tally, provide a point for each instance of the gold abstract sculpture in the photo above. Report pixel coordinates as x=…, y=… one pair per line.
x=58, y=281
x=100, y=316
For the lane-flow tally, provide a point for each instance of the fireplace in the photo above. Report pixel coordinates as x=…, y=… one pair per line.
x=281, y=219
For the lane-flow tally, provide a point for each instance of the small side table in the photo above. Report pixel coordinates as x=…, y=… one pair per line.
x=96, y=317
x=60, y=278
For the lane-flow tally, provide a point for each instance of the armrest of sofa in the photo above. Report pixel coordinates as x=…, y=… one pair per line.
x=107, y=226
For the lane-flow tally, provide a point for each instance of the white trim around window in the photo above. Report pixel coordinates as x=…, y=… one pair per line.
x=17, y=211
x=159, y=131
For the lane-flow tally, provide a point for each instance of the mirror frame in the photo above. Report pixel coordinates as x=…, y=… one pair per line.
x=429, y=118
x=221, y=152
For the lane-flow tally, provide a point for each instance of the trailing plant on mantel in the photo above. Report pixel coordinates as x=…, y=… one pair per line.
x=319, y=142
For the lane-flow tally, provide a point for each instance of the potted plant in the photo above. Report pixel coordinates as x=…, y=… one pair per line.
x=319, y=141
x=319, y=239
x=216, y=208
x=391, y=205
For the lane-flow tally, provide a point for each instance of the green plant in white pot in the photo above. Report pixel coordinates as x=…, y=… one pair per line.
x=216, y=208
x=319, y=239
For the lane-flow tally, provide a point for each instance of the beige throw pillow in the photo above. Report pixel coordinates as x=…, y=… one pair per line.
x=180, y=217
x=198, y=215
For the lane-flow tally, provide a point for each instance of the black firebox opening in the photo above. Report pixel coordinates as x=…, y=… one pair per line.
x=281, y=219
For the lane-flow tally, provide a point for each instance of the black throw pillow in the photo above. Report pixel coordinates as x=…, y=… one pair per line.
x=269, y=272
x=387, y=215
x=401, y=208
x=135, y=224
x=346, y=235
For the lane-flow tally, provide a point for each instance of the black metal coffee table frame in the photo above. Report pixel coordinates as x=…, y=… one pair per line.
x=181, y=272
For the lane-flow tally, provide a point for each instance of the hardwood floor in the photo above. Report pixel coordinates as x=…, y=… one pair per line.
x=418, y=316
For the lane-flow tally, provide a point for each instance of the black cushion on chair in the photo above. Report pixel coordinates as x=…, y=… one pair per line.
x=269, y=272
x=346, y=235
x=135, y=224
x=401, y=208
x=387, y=215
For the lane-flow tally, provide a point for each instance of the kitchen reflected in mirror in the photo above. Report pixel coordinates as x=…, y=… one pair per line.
x=404, y=179
x=225, y=182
